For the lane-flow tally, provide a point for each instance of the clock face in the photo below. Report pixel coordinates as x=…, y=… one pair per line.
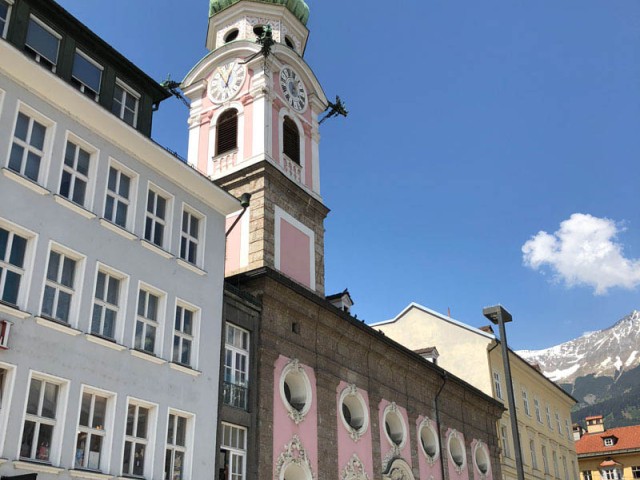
x=293, y=89
x=226, y=81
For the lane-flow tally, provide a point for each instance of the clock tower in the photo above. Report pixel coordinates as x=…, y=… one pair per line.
x=253, y=128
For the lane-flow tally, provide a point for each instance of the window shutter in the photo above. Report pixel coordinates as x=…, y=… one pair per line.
x=291, y=140
x=227, y=130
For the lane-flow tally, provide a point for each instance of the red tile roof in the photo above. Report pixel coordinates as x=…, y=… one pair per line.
x=628, y=438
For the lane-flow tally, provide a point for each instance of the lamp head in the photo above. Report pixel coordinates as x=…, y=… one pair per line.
x=245, y=198
x=497, y=313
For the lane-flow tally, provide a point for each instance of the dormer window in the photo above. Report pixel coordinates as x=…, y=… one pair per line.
x=86, y=75
x=125, y=103
x=5, y=11
x=227, y=132
x=42, y=44
x=609, y=441
x=291, y=140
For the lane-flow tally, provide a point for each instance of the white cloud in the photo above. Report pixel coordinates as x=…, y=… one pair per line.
x=584, y=251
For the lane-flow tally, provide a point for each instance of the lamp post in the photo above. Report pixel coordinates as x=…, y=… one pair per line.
x=499, y=315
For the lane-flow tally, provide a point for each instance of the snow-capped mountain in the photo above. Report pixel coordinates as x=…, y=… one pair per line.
x=608, y=353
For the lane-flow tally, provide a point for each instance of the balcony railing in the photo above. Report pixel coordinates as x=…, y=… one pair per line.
x=235, y=395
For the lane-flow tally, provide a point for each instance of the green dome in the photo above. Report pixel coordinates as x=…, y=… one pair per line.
x=297, y=7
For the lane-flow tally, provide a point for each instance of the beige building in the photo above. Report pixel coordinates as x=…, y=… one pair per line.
x=543, y=409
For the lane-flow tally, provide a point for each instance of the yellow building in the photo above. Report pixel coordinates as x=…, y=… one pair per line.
x=543, y=409
x=612, y=454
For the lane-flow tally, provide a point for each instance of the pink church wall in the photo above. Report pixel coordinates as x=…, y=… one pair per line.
x=346, y=445
x=427, y=470
x=284, y=428
x=385, y=446
x=453, y=473
x=295, y=253
x=232, y=255
x=308, y=153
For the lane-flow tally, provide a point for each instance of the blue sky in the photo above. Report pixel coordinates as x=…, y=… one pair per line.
x=472, y=127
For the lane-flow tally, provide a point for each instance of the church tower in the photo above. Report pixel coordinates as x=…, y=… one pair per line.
x=253, y=128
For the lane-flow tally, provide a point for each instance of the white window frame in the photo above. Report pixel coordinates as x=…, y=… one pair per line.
x=610, y=474
x=545, y=459
x=45, y=153
x=608, y=442
x=186, y=236
x=89, y=179
x=549, y=421
x=38, y=55
x=525, y=402
x=83, y=87
x=587, y=475
x=122, y=302
x=557, y=415
x=235, y=352
x=133, y=194
x=497, y=385
x=635, y=472
x=193, y=337
x=127, y=90
x=504, y=437
x=532, y=451
x=536, y=406
x=148, y=442
x=3, y=32
x=165, y=222
x=106, y=432
x=75, y=291
x=158, y=323
x=235, y=451
x=55, y=449
x=568, y=429
x=186, y=449
x=556, y=467
x=6, y=394
x=28, y=263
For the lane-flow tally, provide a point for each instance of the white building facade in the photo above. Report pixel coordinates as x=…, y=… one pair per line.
x=111, y=276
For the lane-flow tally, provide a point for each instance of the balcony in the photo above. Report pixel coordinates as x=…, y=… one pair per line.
x=235, y=395
x=223, y=163
x=291, y=169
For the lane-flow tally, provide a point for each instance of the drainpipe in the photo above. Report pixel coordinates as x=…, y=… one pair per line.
x=244, y=203
x=444, y=381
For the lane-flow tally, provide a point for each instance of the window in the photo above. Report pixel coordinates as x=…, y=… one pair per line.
x=135, y=440
x=40, y=420
x=567, y=429
x=91, y=431
x=504, y=437
x=611, y=474
x=586, y=475
x=27, y=150
x=147, y=321
x=545, y=460
x=59, y=286
x=125, y=103
x=532, y=450
x=227, y=132
x=549, y=424
x=106, y=305
x=86, y=75
x=558, y=424
x=5, y=11
x=497, y=385
x=231, y=35
x=116, y=208
x=174, y=460
x=75, y=173
x=635, y=472
x=574, y=474
x=536, y=406
x=291, y=140
x=236, y=367
x=608, y=442
x=42, y=44
x=556, y=470
x=13, y=249
x=564, y=466
x=189, y=238
x=525, y=402
x=155, y=218
x=456, y=450
x=183, y=335
x=233, y=451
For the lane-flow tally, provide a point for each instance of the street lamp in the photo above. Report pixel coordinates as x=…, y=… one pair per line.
x=499, y=316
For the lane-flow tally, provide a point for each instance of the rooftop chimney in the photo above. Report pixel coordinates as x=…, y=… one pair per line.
x=595, y=424
x=578, y=432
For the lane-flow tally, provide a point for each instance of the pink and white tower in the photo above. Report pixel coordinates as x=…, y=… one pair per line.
x=253, y=128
